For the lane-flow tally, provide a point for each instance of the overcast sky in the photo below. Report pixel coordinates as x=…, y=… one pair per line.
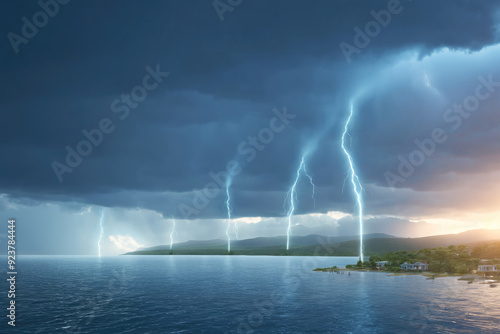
x=136, y=109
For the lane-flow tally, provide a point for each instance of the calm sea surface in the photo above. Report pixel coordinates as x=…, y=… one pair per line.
x=239, y=294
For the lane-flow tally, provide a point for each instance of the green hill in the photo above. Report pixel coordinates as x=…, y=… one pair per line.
x=313, y=245
x=259, y=245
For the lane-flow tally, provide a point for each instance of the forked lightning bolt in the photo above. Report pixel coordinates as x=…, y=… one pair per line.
x=355, y=184
x=293, y=195
x=292, y=205
x=312, y=184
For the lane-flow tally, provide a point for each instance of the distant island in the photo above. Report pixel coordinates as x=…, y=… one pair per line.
x=376, y=244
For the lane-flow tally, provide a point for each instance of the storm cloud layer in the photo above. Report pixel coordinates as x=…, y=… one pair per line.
x=166, y=94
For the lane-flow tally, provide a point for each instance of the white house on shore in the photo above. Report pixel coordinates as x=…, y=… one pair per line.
x=382, y=264
x=486, y=267
x=415, y=266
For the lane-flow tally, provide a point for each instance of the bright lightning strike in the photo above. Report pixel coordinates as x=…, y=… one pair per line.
x=101, y=222
x=228, y=207
x=292, y=204
x=293, y=196
x=172, y=234
x=356, y=185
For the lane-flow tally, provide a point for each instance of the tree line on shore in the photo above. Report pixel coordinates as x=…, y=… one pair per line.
x=452, y=259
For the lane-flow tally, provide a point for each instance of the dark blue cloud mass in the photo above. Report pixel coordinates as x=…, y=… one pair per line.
x=230, y=86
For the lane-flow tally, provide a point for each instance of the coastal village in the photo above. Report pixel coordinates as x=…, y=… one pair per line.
x=486, y=266
x=469, y=264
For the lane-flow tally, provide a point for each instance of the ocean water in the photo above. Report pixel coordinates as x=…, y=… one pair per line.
x=239, y=294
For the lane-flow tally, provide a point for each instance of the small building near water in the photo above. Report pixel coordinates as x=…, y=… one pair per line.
x=382, y=264
x=415, y=266
x=487, y=267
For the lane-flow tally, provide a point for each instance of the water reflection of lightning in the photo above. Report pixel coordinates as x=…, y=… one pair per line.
x=172, y=234
x=101, y=222
x=228, y=207
x=356, y=185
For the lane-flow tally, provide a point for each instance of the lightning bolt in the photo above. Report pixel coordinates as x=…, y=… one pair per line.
x=172, y=234
x=293, y=196
x=292, y=204
x=312, y=184
x=355, y=184
x=427, y=81
x=101, y=222
x=228, y=207
x=432, y=88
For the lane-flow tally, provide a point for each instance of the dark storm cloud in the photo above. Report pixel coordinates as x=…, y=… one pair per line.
x=225, y=79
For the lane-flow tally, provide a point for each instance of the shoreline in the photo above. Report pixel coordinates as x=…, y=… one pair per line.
x=427, y=274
